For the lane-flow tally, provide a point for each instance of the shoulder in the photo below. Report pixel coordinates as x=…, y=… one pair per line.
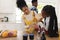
x=23, y=16
x=33, y=7
x=32, y=12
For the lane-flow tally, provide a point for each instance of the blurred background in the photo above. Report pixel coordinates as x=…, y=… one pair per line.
x=9, y=10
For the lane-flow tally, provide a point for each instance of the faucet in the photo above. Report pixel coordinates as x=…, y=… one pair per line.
x=6, y=19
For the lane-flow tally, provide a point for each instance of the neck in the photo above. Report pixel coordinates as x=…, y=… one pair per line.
x=27, y=13
x=34, y=6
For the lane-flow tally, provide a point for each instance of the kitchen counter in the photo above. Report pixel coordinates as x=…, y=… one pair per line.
x=20, y=27
x=19, y=37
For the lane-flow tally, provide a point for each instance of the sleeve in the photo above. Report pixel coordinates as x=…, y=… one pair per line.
x=41, y=24
x=33, y=8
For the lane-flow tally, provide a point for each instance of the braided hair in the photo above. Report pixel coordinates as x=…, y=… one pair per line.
x=50, y=10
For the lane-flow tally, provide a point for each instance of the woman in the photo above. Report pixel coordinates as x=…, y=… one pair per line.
x=50, y=20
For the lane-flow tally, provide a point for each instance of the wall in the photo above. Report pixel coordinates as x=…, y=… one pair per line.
x=11, y=26
x=11, y=17
x=8, y=8
x=58, y=11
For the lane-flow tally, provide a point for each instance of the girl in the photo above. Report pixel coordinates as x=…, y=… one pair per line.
x=29, y=17
x=50, y=20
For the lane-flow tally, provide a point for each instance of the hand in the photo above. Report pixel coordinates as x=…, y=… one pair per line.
x=40, y=19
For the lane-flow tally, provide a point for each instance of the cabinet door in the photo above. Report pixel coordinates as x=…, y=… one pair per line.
x=7, y=6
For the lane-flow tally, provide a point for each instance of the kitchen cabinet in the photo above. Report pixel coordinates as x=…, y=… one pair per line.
x=7, y=6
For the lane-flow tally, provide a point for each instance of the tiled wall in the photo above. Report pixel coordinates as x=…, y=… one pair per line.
x=8, y=9
x=11, y=17
x=11, y=26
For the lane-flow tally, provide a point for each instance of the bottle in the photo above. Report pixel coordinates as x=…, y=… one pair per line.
x=39, y=29
x=25, y=37
x=31, y=36
x=38, y=35
x=43, y=36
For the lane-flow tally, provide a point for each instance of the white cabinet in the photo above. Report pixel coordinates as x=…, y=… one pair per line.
x=7, y=6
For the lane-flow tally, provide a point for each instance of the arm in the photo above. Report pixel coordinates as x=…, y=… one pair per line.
x=23, y=18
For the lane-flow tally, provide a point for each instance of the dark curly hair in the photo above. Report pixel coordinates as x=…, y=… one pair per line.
x=21, y=4
x=34, y=1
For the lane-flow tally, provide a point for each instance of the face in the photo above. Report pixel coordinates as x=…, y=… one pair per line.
x=25, y=10
x=43, y=14
x=35, y=4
